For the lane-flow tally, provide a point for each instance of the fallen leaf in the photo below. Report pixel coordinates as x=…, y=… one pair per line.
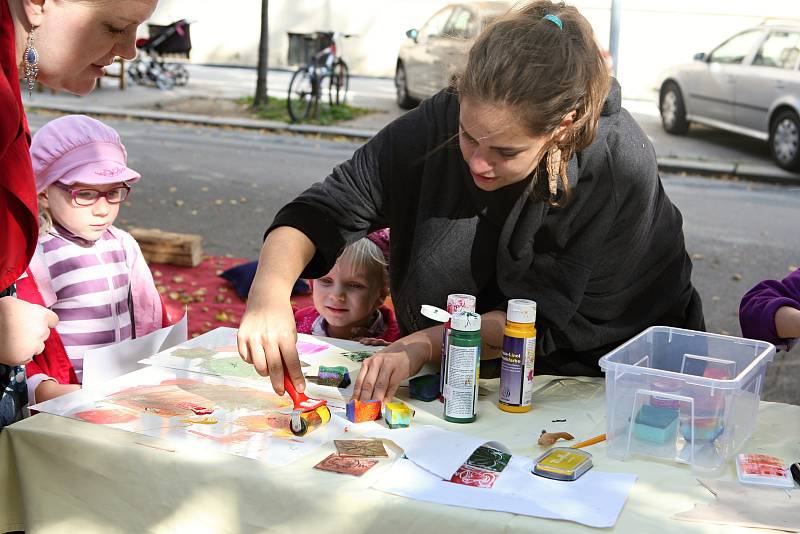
x=157, y=273
x=173, y=189
x=219, y=298
x=221, y=316
x=715, y=298
x=204, y=309
x=736, y=277
x=207, y=324
x=724, y=332
x=219, y=202
x=173, y=295
x=792, y=268
x=222, y=289
x=204, y=189
x=547, y=439
x=179, y=203
x=233, y=201
x=177, y=279
x=698, y=257
x=193, y=212
x=243, y=200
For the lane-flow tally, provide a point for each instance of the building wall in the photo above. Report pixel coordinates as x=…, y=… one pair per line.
x=653, y=34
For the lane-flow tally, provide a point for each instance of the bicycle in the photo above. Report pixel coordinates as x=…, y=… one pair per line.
x=309, y=81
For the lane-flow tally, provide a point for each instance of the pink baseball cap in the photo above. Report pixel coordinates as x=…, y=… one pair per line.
x=77, y=148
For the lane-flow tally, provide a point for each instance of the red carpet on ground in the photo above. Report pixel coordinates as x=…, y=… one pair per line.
x=210, y=300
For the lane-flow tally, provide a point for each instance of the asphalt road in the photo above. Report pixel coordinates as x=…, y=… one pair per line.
x=227, y=185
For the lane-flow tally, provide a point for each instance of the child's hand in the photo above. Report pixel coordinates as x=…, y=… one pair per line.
x=382, y=372
x=24, y=327
x=373, y=341
x=787, y=322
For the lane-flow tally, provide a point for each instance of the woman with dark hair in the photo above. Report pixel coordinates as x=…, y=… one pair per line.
x=65, y=44
x=552, y=194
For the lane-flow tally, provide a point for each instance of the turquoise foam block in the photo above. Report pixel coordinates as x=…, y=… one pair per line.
x=656, y=424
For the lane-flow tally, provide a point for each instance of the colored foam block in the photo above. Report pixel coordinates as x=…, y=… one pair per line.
x=705, y=428
x=360, y=412
x=337, y=377
x=397, y=415
x=656, y=424
x=424, y=388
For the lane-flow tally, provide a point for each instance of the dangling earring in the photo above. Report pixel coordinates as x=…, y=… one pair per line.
x=31, y=63
x=553, y=169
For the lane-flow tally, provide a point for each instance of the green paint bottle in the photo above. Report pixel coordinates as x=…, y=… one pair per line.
x=462, y=367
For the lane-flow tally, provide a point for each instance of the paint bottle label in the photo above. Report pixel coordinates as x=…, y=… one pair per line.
x=516, y=371
x=519, y=353
x=461, y=388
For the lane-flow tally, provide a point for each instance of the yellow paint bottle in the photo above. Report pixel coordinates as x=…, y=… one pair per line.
x=519, y=351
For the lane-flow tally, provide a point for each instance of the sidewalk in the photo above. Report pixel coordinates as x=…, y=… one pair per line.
x=703, y=151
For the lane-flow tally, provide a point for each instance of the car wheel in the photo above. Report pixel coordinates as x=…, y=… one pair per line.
x=784, y=140
x=401, y=86
x=673, y=111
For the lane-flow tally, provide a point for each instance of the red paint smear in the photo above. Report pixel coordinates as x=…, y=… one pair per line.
x=196, y=408
x=106, y=417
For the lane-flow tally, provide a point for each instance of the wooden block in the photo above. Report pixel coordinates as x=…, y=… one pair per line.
x=185, y=250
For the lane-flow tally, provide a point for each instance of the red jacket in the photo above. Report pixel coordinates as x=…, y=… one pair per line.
x=19, y=213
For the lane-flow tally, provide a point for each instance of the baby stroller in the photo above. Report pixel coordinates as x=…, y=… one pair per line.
x=149, y=67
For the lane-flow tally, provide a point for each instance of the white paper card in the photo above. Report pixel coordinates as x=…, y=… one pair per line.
x=106, y=363
x=596, y=499
x=439, y=451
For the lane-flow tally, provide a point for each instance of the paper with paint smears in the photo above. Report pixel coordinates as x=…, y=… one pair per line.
x=196, y=411
x=596, y=499
x=215, y=353
x=106, y=363
x=442, y=452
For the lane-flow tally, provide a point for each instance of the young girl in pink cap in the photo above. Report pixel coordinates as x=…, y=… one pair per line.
x=349, y=301
x=90, y=273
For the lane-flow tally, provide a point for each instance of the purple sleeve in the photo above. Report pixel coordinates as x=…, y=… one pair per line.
x=758, y=307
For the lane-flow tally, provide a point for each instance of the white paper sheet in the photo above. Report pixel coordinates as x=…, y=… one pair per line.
x=223, y=360
x=437, y=450
x=196, y=411
x=107, y=363
x=596, y=499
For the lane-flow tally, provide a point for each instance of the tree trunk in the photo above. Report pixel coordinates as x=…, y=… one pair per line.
x=260, y=98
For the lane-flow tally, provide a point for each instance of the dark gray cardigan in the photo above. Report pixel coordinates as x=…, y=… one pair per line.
x=603, y=268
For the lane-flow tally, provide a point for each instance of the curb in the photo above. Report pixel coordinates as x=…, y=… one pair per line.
x=746, y=171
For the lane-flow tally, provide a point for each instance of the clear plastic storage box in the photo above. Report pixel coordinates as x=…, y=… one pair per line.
x=683, y=395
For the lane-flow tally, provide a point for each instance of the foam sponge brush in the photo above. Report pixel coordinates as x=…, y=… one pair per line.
x=656, y=424
x=360, y=412
x=337, y=377
x=397, y=414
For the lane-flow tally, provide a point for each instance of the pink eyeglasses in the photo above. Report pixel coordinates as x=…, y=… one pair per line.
x=87, y=197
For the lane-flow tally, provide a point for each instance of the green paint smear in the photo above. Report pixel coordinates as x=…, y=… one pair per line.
x=233, y=366
x=489, y=458
x=357, y=357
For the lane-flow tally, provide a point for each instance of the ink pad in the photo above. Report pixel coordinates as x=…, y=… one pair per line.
x=562, y=463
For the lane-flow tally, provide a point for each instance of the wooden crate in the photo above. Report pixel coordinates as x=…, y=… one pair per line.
x=157, y=246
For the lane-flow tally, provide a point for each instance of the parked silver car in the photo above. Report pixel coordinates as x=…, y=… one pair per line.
x=432, y=55
x=750, y=85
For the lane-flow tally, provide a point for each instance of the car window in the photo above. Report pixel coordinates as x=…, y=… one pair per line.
x=780, y=50
x=735, y=49
x=459, y=26
x=436, y=24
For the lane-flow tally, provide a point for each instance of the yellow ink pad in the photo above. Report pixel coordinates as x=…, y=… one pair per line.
x=562, y=463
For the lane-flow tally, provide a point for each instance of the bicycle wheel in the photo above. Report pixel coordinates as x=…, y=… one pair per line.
x=340, y=81
x=301, y=94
